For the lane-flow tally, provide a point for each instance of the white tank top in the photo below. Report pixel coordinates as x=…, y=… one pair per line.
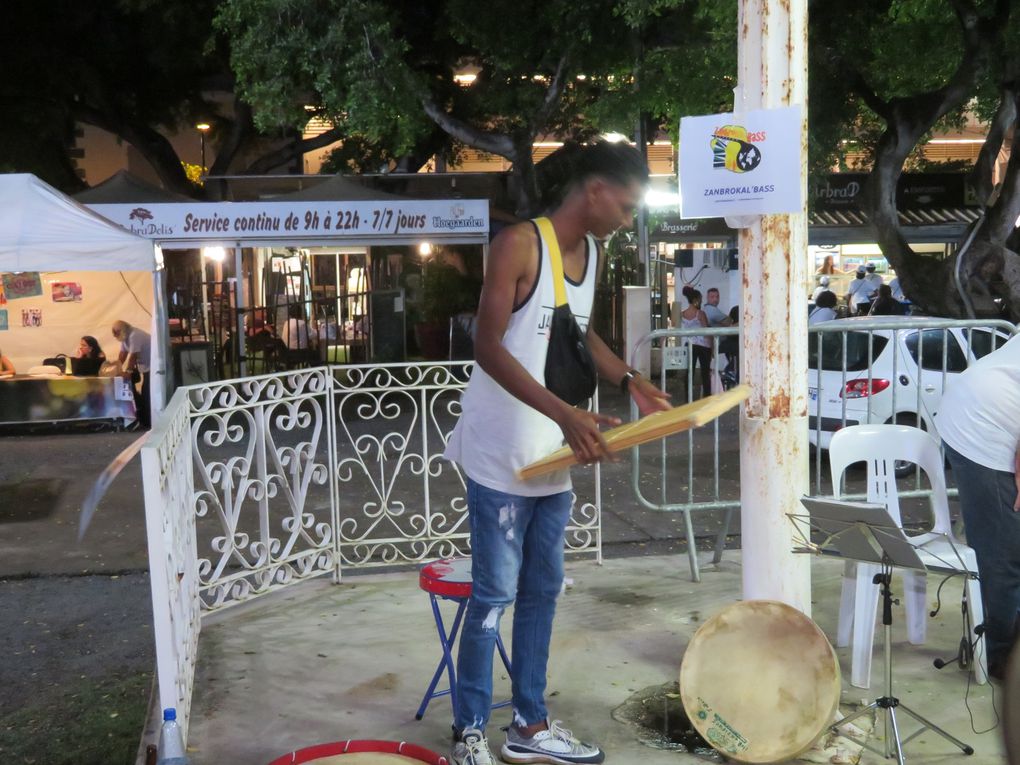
x=497, y=434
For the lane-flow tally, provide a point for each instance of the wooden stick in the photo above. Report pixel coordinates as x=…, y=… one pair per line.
x=649, y=428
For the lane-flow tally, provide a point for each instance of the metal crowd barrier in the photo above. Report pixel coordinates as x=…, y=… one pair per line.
x=698, y=471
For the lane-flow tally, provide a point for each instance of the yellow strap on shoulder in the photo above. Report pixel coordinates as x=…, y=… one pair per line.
x=548, y=235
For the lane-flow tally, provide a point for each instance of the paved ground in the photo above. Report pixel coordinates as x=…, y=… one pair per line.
x=73, y=611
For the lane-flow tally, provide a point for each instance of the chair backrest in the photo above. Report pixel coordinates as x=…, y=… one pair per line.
x=880, y=446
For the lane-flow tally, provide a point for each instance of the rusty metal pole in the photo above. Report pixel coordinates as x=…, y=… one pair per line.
x=772, y=66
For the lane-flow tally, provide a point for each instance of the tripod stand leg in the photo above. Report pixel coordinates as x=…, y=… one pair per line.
x=894, y=740
x=936, y=729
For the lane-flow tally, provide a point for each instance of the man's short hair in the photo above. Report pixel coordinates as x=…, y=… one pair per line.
x=619, y=163
x=711, y=289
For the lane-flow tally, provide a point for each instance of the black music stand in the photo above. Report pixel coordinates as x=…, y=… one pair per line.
x=866, y=533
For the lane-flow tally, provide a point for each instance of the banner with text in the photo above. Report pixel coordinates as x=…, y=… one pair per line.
x=741, y=164
x=361, y=220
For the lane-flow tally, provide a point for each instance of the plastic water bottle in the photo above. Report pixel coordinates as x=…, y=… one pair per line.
x=171, y=742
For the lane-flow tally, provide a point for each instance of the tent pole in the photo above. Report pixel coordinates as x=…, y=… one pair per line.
x=239, y=297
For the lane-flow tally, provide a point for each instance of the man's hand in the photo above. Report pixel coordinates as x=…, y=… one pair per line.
x=647, y=397
x=581, y=432
x=1016, y=479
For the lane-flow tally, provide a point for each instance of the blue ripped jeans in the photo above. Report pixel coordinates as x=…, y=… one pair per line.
x=516, y=557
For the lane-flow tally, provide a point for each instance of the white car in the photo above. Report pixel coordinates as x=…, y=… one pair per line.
x=885, y=380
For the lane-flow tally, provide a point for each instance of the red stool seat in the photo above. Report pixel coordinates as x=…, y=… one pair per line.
x=450, y=578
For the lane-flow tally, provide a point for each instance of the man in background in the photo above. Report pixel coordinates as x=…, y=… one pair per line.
x=716, y=318
x=135, y=350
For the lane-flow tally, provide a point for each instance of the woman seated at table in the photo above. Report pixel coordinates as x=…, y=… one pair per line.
x=6, y=366
x=90, y=357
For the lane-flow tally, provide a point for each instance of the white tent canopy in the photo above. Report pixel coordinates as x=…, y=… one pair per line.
x=44, y=230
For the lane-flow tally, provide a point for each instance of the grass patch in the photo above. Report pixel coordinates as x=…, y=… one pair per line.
x=96, y=722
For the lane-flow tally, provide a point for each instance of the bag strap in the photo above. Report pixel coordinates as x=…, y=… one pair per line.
x=548, y=234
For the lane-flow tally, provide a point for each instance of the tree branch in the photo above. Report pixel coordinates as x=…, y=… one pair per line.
x=493, y=143
x=1003, y=214
x=241, y=130
x=1005, y=116
x=552, y=96
x=294, y=149
x=154, y=146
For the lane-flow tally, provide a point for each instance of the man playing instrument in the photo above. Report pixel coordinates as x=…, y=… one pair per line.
x=511, y=419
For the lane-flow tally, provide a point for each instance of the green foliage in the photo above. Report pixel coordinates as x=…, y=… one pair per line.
x=446, y=292
x=369, y=64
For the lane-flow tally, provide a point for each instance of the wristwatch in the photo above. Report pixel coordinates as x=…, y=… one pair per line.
x=625, y=382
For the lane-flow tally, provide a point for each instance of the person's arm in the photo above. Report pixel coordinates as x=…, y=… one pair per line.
x=509, y=258
x=128, y=364
x=6, y=367
x=1016, y=479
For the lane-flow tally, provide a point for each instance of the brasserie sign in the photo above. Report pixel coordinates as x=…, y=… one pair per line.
x=360, y=220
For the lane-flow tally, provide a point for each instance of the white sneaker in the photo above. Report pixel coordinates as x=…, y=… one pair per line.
x=472, y=749
x=556, y=746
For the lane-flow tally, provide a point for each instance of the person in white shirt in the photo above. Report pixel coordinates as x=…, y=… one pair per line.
x=874, y=278
x=295, y=332
x=509, y=418
x=135, y=349
x=715, y=316
x=858, y=295
x=825, y=308
x=823, y=286
x=897, y=290
x=979, y=422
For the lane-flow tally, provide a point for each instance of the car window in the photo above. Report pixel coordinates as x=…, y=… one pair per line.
x=984, y=341
x=928, y=346
x=832, y=350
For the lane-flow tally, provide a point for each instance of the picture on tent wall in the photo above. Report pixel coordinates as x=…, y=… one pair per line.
x=23, y=285
x=31, y=317
x=3, y=321
x=66, y=292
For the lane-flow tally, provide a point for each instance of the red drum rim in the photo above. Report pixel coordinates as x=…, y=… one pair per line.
x=356, y=746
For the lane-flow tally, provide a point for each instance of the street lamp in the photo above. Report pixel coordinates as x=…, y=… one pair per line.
x=203, y=128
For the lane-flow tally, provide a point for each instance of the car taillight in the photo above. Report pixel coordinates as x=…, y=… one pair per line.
x=864, y=388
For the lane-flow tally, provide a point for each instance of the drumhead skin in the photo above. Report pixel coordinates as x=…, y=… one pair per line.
x=760, y=682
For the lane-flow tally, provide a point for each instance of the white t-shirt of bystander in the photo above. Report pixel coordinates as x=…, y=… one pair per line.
x=139, y=343
x=979, y=415
x=716, y=318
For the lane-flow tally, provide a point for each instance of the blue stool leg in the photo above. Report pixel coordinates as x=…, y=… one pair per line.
x=446, y=662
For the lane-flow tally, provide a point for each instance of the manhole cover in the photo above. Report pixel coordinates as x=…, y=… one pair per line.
x=658, y=716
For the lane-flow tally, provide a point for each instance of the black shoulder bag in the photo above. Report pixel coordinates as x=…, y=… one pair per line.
x=569, y=368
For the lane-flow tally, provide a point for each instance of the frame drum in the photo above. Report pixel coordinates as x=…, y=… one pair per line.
x=363, y=752
x=760, y=682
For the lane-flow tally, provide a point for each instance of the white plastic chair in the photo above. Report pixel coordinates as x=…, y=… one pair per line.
x=880, y=447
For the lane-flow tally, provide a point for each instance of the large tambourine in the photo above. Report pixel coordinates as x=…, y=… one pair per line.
x=649, y=428
x=760, y=682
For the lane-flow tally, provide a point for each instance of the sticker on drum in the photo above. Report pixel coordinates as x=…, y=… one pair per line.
x=362, y=752
x=760, y=682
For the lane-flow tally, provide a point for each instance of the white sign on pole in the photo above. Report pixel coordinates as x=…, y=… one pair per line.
x=358, y=220
x=741, y=164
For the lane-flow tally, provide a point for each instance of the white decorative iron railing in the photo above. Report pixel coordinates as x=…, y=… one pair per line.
x=252, y=485
x=173, y=554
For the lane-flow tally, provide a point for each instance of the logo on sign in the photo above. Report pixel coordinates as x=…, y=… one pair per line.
x=140, y=214
x=734, y=149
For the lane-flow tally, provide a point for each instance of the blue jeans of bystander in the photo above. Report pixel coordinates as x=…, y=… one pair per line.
x=993, y=530
x=516, y=555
